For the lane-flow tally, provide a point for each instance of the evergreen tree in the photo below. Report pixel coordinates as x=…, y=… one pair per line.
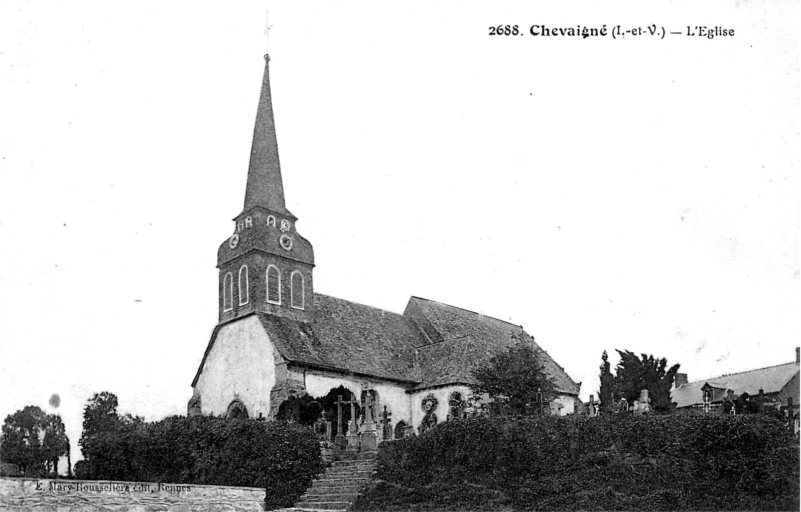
x=633, y=374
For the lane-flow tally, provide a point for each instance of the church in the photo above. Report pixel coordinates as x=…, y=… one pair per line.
x=276, y=338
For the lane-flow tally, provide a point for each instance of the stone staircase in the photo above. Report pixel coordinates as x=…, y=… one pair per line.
x=338, y=487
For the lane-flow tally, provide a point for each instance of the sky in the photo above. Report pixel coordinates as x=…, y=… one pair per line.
x=636, y=193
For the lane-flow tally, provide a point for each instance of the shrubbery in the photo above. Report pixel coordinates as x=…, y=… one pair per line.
x=614, y=462
x=281, y=457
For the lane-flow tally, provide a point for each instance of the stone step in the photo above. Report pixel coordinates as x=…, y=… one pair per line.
x=344, y=479
x=340, y=487
x=369, y=465
x=349, y=473
x=323, y=505
x=366, y=457
x=330, y=496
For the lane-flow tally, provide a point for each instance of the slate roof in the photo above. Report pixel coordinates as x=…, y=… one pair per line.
x=771, y=379
x=459, y=339
x=348, y=336
x=431, y=344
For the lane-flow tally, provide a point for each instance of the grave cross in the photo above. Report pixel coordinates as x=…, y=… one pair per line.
x=340, y=403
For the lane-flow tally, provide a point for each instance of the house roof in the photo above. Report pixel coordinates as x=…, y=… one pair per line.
x=771, y=380
x=431, y=344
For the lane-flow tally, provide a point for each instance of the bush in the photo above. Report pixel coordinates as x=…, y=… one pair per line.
x=617, y=462
x=281, y=457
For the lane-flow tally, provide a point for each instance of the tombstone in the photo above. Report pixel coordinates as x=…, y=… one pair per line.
x=369, y=439
x=457, y=405
x=643, y=404
x=386, y=425
x=322, y=428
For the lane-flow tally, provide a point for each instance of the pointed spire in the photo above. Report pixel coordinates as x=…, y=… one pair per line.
x=265, y=187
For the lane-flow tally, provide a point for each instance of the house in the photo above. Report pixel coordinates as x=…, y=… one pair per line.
x=775, y=385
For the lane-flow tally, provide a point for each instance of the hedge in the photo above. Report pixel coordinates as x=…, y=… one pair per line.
x=615, y=462
x=281, y=457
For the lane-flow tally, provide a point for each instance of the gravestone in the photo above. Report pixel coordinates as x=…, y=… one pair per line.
x=353, y=428
x=643, y=404
x=386, y=425
x=369, y=439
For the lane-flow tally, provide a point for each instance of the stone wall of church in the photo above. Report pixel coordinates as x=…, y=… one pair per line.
x=241, y=365
x=391, y=395
x=442, y=395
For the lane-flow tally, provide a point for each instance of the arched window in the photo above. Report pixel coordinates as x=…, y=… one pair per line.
x=228, y=292
x=244, y=291
x=297, y=290
x=273, y=285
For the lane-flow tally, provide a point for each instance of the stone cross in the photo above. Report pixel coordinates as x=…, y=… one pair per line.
x=340, y=403
x=386, y=429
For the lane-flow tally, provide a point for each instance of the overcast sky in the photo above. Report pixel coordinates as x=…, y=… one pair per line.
x=637, y=193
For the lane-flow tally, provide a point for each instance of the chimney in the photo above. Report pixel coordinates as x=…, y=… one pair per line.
x=681, y=379
x=797, y=355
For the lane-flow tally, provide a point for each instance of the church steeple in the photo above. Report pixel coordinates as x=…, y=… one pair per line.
x=265, y=266
x=265, y=187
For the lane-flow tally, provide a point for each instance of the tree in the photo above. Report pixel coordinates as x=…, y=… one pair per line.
x=34, y=441
x=516, y=380
x=55, y=442
x=607, y=392
x=22, y=440
x=108, y=439
x=633, y=374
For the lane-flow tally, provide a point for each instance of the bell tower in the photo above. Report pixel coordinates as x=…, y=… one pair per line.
x=265, y=266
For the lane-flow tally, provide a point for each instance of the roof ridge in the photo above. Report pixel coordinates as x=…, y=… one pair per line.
x=740, y=373
x=467, y=310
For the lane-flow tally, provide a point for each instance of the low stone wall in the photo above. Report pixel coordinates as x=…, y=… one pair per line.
x=72, y=495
